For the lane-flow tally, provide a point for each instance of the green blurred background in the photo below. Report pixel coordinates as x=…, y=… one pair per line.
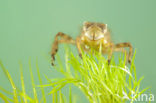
x=28, y=28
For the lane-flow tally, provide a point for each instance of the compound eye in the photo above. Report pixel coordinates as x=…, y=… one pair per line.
x=103, y=27
x=87, y=25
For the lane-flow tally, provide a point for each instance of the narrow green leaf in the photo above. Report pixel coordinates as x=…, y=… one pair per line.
x=4, y=98
x=33, y=83
x=11, y=82
x=40, y=80
x=70, y=95
x=22, y=83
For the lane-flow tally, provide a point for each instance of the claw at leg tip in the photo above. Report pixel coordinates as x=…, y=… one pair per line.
x=108, y=62
x=80, y=56
x=129, y=61
x=52, y=64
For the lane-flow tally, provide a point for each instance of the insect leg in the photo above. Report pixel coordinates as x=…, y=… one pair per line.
x=63, y=39
x=126, y=44
x=78, y=44
x=111, y=45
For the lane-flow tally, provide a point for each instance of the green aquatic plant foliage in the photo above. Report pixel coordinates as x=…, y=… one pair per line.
x=100, y=82
x=20, y=96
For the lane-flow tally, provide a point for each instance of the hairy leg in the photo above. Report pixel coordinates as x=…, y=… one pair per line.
x=110, y=52
x=121, y=45
x=78, y=44
x=63, y=39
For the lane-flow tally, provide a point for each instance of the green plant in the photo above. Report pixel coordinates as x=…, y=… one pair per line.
x=100, y=82
x=20, y=96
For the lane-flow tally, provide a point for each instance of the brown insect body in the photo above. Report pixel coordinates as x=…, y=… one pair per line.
x=93, y=35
